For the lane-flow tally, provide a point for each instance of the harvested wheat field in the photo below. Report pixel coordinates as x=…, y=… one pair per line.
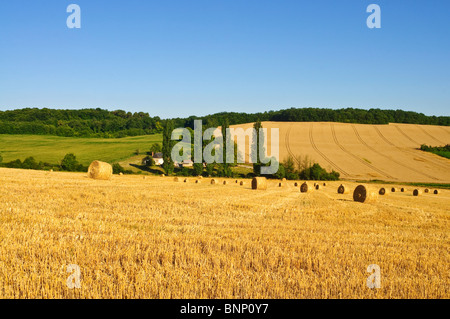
x=155, y=238
x=366, y=152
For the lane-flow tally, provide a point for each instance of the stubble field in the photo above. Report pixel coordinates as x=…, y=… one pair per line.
x=156, y=238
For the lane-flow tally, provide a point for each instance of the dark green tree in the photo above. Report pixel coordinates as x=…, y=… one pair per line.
x=167, y=146
x=156, y=148
x=69, y=163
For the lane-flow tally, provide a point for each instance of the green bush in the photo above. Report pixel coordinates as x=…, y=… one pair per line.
x=70, y=164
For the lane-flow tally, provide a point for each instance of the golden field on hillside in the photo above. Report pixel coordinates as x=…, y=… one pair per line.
x=365, y=151
x=155, y=238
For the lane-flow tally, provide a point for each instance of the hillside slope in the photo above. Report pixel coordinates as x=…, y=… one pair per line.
x=364, y=151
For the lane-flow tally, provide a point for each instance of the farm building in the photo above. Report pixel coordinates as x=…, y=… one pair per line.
x=187, y=163
x=158, y=158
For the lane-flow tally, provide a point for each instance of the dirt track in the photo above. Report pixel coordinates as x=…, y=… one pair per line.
x=358, y=151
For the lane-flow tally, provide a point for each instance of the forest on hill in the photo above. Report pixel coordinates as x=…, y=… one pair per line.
x=112, y=124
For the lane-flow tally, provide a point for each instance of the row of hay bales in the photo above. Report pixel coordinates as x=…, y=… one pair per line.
x=258, y=183
x=103, y=171
x=416, y=192
x=365, y=194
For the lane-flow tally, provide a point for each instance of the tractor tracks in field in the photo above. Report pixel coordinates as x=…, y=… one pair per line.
x=356, y=157
x=288, y=147
x=431, y=136
x=448, y=132
x=407, y=150
x=406, y=135
x=311, y=139
x=389, y=158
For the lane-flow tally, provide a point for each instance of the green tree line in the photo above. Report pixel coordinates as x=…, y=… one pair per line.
x=119, y=123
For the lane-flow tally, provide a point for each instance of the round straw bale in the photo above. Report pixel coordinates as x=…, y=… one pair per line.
x=237, y=181
x=120, y=174
x=296, y=184
x=363, y=194
x=426, y=190
x=417, y=192
x=382, y=191
x=343, y=189
x=51, y=171
x=242, y=183
x=100, y=170
x=317, y=186
x=259, y=183
x=403, y=189
x=305, y=188
x=176, y=179
x=198, y=181
x=163, y=175
x=280, y=184
x=200, y=177
x=283, y=180
x=393, y=190
x=225, y=182
x=186, y=180
x=214, y=181
x=436, y=192
x=324, y=184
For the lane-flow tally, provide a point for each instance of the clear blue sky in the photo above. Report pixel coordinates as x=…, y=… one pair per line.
x=195, y=57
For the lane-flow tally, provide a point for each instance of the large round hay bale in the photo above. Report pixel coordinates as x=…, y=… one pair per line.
x=283, y=180
x=259, y=183
x=436, y=192
x=403, y=189
x=200, y=177
x=225, y=182
x=317, y=186
x=305, y=188
x=163, y=175
x=214, y=181
x=237, y=181
x=382, y=191
x=417, y=192
x=120, y=174
x=393, y=190
x=324, y=184
x=198, y=181
x=295, y=184
x=100, y=170
x=426, y=190
x=176, y=179
x=186, y=180
x=242, y=183
x=363, y=194
x=343, y=189
x=280, y=184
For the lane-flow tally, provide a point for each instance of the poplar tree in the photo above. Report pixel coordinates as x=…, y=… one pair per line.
x=168, y=164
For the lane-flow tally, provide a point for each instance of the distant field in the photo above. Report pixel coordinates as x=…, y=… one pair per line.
x=53, y=148
x=365, y=151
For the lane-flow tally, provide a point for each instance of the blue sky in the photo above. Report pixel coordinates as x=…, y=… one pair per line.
x=195, y=57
